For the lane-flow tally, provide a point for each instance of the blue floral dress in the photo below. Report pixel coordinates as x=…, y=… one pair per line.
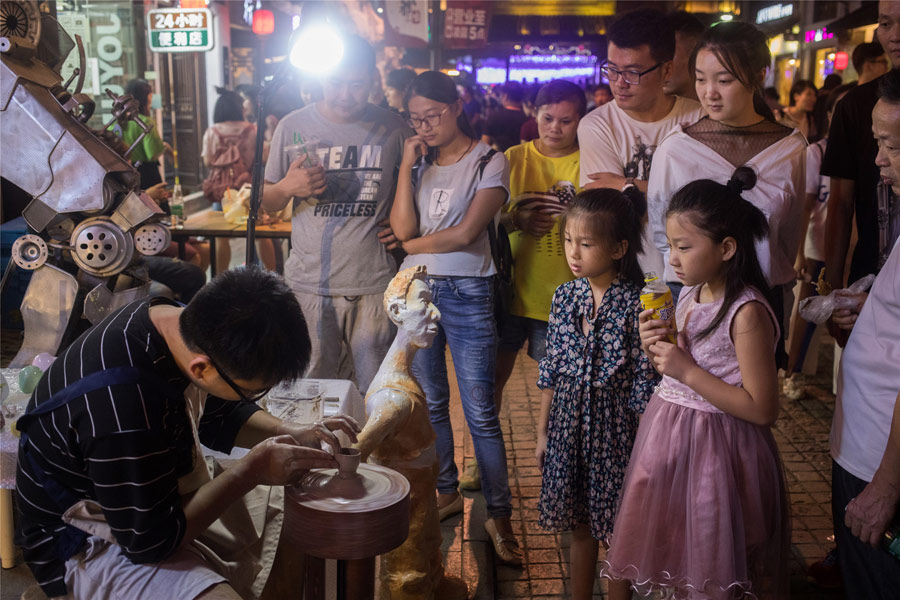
x=602, y=382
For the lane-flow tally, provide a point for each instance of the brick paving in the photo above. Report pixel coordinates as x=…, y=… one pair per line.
x=802, y=436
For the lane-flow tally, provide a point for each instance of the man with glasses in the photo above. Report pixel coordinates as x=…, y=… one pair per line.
x=115, y=498
x=617, y=140
x=339, y=263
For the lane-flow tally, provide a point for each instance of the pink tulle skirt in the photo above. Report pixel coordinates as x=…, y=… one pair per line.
x=703, y=512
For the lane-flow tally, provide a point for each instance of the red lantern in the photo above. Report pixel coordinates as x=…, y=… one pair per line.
x=263, y=22
x=841, y=60
x=194, y=4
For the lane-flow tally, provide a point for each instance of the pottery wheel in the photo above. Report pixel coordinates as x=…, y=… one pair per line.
x=343, y=516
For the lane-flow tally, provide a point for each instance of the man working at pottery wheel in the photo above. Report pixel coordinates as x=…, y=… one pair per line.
x=114, y=495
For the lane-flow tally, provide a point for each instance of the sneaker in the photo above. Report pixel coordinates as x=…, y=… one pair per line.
x=471, y=477
x=826, y=573
x=792, y=388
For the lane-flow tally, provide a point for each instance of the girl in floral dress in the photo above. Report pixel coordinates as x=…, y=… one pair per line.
x=595, y=379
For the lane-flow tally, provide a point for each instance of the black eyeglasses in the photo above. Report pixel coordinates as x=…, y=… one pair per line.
x=253, y=398
x=631, y=77
x=432, y=120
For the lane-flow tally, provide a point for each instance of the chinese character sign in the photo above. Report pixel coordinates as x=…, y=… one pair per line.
x=406, y=23
x=180, y=30
x=466, y=23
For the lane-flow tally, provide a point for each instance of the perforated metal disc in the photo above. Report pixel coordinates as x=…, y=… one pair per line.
x=100, y=247
x=152, y=239
x=29, y=252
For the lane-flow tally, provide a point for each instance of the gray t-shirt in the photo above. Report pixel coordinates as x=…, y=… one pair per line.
x=443, y=196
x=334, y=242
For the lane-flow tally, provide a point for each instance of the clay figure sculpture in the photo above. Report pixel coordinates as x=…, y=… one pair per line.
x=399, y=435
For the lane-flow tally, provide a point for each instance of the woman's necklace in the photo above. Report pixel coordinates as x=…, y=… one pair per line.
x=469, y=147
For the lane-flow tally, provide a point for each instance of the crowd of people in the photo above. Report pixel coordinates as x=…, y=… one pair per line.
x=655, y=434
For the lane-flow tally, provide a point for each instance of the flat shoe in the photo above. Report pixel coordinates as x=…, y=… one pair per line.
x=471, y=479
x=454, y=508
x=506, y=548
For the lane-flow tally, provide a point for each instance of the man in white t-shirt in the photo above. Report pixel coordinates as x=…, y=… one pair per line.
x=618, y=139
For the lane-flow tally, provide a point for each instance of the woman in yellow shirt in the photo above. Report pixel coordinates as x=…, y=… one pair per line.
x=543, y=179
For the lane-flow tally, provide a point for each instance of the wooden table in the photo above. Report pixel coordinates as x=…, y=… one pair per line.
x=212, y=224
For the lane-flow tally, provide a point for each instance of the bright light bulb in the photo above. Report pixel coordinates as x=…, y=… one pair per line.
x=726, y=17
x=317, y=50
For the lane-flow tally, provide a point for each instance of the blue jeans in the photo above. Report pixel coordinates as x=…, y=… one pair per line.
x=467, y=325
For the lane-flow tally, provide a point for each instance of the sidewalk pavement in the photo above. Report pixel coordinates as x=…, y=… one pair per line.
x=802, y=436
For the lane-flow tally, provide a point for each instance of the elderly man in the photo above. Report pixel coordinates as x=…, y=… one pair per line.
x=865, y=435
x=114, y=496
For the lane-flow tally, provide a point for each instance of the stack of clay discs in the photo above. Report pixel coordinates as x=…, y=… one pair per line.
x=348, y=516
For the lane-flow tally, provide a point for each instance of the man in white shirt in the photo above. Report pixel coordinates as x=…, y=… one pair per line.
x=617, y=140
x=865, y=434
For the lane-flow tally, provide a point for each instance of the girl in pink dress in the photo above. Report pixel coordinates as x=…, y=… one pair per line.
x=703, y=512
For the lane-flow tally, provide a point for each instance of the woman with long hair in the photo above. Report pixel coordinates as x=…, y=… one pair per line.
x=449, y=190
x=729, y=64
x=147, y=153
x=800, y=111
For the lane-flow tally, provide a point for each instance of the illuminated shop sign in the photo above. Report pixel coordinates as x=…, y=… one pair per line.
x=773, y=13
x=817, y=35
x=180, y=30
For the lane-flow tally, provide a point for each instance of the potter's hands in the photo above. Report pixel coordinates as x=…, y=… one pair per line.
x=303, y=182
x=386, y=236
x=322, y=431
x=869, y=514
x=413, y=148
x=672, y=360
x=652, y=331
x=540, y=450
x=281, y=460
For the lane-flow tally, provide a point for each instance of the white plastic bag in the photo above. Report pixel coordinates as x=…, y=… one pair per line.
x=817, y=309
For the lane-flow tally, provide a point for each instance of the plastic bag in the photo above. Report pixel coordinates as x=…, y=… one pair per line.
x=818, y=309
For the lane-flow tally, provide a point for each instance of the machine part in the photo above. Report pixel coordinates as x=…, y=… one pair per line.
x=134, y=210
x=46, y=310
x=30, y=252
x=61, y=231
x=100, y=302
x=100, y=247
x=22, y=20
x=152, y=239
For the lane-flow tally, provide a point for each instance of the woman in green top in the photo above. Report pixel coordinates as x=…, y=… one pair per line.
x=147, y=153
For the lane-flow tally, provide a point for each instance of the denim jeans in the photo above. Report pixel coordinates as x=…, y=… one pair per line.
x=467, y=326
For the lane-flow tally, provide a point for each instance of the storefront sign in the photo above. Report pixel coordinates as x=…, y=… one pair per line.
x=180, y=30
x=466, y=24
x=773, y=13
x=841, y=61
x=817, y=35
x=406, y=23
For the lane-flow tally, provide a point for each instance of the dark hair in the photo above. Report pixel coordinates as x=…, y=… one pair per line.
x=865, y=52
x=399, y=79
x=140, y=90
x=603, y=86
x=614, y=216
x=686, y=23
x=644, y=27
x=889, y=86
x=357, y=53
x=248, y=321
x=772, y=93
x=836, y=94
x=719, y=212
x=744, y=52
x=560, y=90
x=514, y=91
x=439, y=87
x=800, y=86
x=831, y=82
x=229, y=107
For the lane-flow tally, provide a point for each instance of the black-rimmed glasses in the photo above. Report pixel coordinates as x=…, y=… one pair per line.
x=253, y=398
x=431, y=120
x=631, y=77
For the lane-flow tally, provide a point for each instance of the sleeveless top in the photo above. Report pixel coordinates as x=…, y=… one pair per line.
x=715, y=353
